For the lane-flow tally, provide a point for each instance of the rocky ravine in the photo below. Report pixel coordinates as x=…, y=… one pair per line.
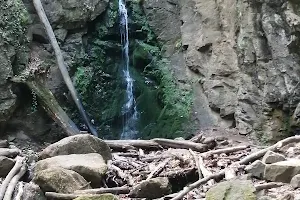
x=241, y=57
x=84, y=167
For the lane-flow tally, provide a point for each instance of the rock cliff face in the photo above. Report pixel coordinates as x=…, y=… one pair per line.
x=240, y=58
x=244, y=56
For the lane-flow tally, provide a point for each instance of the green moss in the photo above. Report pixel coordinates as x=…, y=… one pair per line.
x=163, y=107
x=14, y=22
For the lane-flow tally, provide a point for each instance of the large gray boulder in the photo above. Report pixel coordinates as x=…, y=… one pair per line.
x=151, y=189
x=272, y=157
x=295, y=182
x=6, y=164
x=256, y=169
x=91, y=166
x=282, y=171
x=232, y=190
x=78, y=144
x=60, y=180
x=71, y=14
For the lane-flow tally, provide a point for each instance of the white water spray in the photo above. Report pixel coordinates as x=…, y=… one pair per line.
x=129, y=110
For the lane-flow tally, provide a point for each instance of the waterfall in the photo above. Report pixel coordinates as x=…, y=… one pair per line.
x=129, y=109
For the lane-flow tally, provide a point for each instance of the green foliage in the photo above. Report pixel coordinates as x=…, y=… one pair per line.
x=138, y=16
x=13, y=23
x=162, y=104
x=176, y=102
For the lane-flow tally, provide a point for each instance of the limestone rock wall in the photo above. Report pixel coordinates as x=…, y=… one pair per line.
x=242, y=58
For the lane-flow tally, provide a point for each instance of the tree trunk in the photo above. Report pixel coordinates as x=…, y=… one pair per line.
x=61, y=64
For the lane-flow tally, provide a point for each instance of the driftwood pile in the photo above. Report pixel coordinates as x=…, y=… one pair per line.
x=192, y=166
x=19, y=169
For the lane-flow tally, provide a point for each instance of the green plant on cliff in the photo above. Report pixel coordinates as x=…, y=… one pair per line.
x=175, y=101
x=14, y=22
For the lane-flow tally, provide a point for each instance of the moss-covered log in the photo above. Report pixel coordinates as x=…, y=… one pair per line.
x=49, y=103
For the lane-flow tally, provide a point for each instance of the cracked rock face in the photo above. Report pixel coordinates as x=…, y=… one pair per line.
x=245, y=57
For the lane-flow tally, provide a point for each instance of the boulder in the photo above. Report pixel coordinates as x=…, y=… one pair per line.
x=295, y=182
x=69, y=15
x=272, y=157
x=77, y=144
x=151, y=189
x=33, y=192
x=60, y=180
x=256, y=169
x=6, y=164
x=232, y=190
x=99, y=197
x=91, y=166
x=282, y=171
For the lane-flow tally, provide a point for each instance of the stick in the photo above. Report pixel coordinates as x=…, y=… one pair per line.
x=132, y=144
x=61, y=63
x=226, y=150
x=116, y=190
x=20, y=191
x=9, y=152
x=275, y=147
x=121, y=174
x=10, y=175
x=11, y=187
x=197, y=163
x=179, y=144
x=196, y=184
x=266, y=186
x=3, y=143
x=158, y=169
x=205, y=171
x=55, y=195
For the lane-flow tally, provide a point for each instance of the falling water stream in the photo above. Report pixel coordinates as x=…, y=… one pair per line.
x=129, y=109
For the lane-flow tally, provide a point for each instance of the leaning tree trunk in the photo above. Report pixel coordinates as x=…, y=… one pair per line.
x=61, y=64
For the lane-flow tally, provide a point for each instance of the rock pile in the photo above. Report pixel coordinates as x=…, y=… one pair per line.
x=84, y=167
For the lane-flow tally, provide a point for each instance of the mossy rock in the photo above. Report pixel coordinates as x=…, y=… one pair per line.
x=232, y=190
x=99, y=197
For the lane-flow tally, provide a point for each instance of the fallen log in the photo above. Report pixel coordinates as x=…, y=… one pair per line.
x=10, y=175
x=9, y=152
x=158, y=169
x=132, y=144
x=196, y=184
x=61, y=64
x=55, y=195
x=205, y=171
x=116, y=190
x=266, y=186
x=3, y=143
x=181, y=144
x=12, y=185
x=226, y=150
x=19, y=195
x=196, y=159
x=256, y=155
